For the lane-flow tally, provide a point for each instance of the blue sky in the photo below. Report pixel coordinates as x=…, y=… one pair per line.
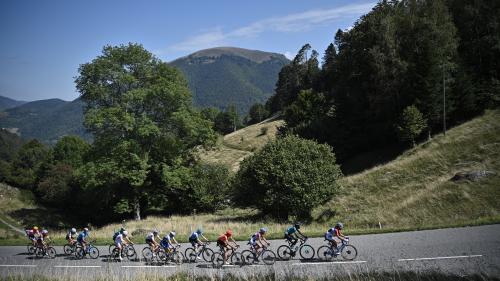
x=44, y=42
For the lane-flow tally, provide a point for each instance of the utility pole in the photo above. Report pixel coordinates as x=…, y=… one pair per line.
x=444, y=102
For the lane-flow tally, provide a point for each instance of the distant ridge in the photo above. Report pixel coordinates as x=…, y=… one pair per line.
x=224, y=76
x=6, y=103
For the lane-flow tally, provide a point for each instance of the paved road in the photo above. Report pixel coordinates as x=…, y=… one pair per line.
x=463, y=251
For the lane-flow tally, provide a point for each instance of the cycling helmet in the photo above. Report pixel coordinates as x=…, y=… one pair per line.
x=263, y=230
x=297, y=225
x=45, y=231
x=172, y=234
x=229, y=233
x=73, y=230
x=125, y=233
x=155, y=232
x=85, y=230
x=122, y=229
x=199, y=231
x=339, y=225
x=35, y=227
x=331, y=230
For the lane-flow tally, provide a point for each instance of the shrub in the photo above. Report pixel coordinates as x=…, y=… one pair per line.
x=288, y=177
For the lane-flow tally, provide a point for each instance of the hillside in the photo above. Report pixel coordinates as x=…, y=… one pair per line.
x=413, y=191
x=6, y=103
x=219, y=77
x=46, y=120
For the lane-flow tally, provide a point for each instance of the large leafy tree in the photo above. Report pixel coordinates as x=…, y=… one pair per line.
x=288, y=177
x=139, y=110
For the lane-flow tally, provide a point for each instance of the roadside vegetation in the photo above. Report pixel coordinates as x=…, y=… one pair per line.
x=272, y=276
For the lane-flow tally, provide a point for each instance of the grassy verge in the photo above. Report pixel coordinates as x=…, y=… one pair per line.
x=389, y=276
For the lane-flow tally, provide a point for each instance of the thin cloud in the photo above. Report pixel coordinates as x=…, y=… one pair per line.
x=289, y=23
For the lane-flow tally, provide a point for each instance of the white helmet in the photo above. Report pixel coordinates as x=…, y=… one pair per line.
x=45, y=231
x=85, y=230
x=73, y=230
x=172, y=234
x=125, y=233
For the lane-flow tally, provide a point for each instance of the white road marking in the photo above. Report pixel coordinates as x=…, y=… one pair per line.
x=77, y=266
x=441, y=258
x=148, y=266
x=18, y=265
x=333, y=262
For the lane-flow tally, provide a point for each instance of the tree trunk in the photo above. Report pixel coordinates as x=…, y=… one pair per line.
x=137, y=210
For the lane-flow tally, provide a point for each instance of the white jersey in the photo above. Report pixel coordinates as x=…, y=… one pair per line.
x=119, y=238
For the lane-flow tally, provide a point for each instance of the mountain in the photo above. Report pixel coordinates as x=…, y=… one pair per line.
x=6, y=103
x=46, y=120
x=224, y=76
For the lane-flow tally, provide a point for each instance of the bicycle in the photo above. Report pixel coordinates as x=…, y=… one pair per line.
x=306, y=251
x=89, y=250
x=47, y=250
x=205, y=252
x=234, y=256
x=149, y=255
x=128, y=250
x=174, y=255
x=31, y=248
x=69, y=248
x=347, y=251
x=250, y=256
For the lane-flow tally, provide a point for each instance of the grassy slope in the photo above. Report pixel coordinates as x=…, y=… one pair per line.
x=410, y=192
x=415, y=191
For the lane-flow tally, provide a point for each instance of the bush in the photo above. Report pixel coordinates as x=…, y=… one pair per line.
x=288, y=177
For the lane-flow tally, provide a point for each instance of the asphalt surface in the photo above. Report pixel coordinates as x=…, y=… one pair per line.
x=463, y=251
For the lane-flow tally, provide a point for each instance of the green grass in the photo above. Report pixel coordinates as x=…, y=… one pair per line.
x=412, y=192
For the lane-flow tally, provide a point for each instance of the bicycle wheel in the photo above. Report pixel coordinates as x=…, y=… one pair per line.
x=306, y=252
x=147, y=254
x=51, y=252
x=284, y=252
x=237, y=258
x=111, y=248
x=93, y=252
x=79, y=253
x=268, y=257
x=349, y=252
x=207, y=254
x=31, y=249
x=190, y=254
x=218, y=260
x=248, y=257
x=176, y=257
x=325, y=253
x=130, y=253
x=68, y=249
x=115, y=254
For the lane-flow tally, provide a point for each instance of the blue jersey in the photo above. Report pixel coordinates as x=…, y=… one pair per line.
x=82, y=236
x=291, y=230
x=194, y=236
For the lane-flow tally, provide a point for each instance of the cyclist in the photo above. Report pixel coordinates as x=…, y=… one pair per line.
x=117, y=233
x=70, y=236
x=257, y=242
x=33, y=235
x=82, y=238
x=168, y=241
x=120, y=240
x=335, y=232
x=292, y=234
x=224, y=245
x=195, y=241
x=43, y=240
x=151, y=240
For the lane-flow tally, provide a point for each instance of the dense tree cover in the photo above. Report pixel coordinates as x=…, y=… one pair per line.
x=257, y=113
x=288, y=177
x=398, y=55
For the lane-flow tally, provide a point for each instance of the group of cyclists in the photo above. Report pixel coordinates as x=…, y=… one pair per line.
x=225, y=242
